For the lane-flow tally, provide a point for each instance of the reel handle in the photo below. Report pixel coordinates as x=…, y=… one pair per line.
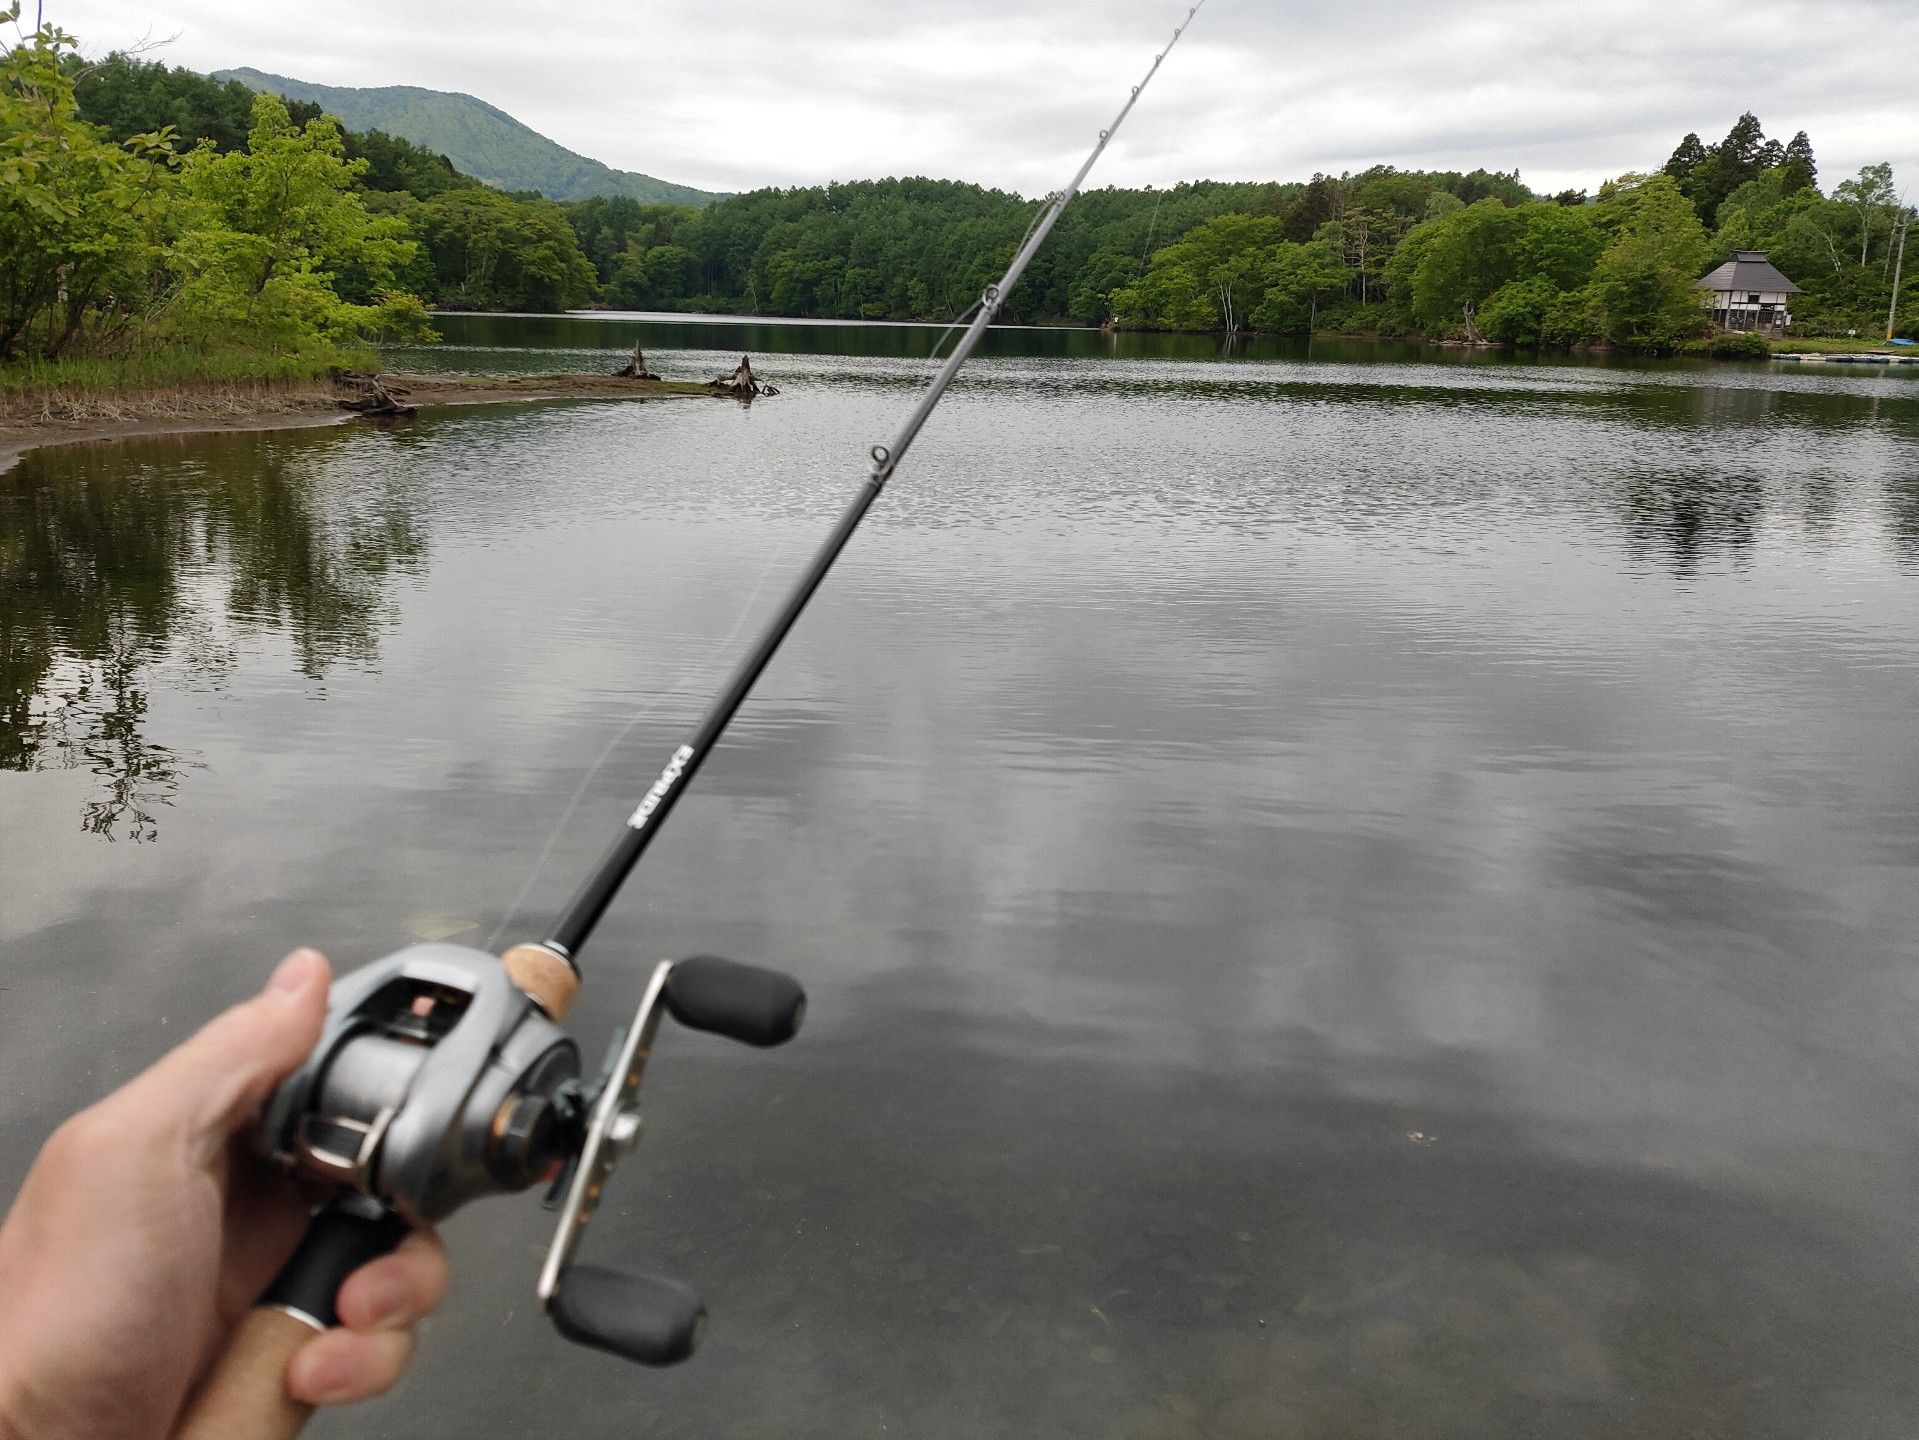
x=245, y=1396
x=644, y=1318
x=742, y=1002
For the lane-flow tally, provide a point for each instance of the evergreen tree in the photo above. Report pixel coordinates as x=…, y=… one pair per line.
x=401, y=167
x=1743, y=145
x=1801, y=171
x=1492, y=185
x=1688, y=157
x=1731, y=163
x=1318, y=203
x=127, y=96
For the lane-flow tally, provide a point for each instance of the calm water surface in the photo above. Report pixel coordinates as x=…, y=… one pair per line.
x=1342, y=895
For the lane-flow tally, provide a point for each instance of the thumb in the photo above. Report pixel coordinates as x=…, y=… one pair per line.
x=216, y=1082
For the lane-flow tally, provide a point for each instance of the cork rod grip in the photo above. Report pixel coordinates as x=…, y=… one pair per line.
x=245, y=1398
x=541, y=973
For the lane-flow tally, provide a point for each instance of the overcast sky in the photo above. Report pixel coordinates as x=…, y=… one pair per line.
x=732, y=94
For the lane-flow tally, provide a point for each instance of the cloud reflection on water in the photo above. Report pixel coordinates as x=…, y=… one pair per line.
x=1419, y=858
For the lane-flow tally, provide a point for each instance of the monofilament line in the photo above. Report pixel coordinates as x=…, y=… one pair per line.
x=886, y=458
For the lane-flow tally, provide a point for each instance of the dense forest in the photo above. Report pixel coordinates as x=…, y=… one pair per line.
x=135, y=210
x=1475, y=256
x=924, y=249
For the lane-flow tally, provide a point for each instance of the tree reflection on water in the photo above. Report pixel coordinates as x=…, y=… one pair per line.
x=1902, y=506
x=1684, y=518
x=120, y=561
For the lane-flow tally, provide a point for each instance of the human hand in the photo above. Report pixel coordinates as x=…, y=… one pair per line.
x=145, y=1230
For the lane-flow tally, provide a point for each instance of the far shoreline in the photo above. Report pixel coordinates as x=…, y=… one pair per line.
x=74, y=419
x=1703, y=347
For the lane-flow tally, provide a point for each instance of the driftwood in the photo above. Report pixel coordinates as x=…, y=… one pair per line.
x=635, y=369
x=1474, y=340
x=372, y=397
x=742, y=383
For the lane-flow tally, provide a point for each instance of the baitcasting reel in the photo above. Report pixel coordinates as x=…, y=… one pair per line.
x=438, y=1080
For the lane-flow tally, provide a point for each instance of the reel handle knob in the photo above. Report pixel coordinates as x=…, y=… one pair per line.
x=645, y=1318
x=742, y=1002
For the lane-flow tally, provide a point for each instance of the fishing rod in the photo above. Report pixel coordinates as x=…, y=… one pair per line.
x=442, y=1074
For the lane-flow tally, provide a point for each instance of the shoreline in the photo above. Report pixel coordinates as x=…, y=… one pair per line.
x=92, y=420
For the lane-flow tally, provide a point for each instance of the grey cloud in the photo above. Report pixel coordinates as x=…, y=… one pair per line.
x=1007, y=93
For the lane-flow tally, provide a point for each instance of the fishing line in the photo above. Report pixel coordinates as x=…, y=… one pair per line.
x=645, y=712
x=967, y=314
x=577, y=921
x=961, y=319
x=1152, y=225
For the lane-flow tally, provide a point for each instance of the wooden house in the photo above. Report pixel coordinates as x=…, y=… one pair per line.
x=1748, y=292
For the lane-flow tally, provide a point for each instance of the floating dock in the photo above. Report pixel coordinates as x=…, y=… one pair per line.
x=1866, y=357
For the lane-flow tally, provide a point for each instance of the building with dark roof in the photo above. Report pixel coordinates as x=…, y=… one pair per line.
x=1749, y=292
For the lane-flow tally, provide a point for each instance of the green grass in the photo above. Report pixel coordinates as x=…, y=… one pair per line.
x=173, y=368
x=1812, y=346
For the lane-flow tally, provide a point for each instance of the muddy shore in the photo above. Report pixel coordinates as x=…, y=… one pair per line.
x=59, y=420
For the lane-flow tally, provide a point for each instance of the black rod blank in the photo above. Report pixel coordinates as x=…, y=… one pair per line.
x=577, y=923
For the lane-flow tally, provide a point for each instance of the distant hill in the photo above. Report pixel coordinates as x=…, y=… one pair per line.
x=481, y=140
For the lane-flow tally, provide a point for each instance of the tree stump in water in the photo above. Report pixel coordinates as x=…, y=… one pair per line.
x=635, y=369
x=742, y=383
x=372, y=398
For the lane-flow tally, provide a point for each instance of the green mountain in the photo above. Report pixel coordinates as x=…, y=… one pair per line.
x=482, y=141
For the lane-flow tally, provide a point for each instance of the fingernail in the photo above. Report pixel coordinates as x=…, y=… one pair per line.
x=294, y=974
x=326, y=1377
x=387, y=1302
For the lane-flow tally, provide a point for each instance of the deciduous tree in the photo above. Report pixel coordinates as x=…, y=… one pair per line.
x=278, y=223
x=492, y=251
x=1642, y=287
x=1869, y=193
x=80, y=217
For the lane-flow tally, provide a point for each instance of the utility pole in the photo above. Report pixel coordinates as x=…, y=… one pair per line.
x=1898, y=273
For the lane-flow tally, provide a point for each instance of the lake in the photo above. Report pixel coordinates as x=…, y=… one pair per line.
x=1345, y=892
